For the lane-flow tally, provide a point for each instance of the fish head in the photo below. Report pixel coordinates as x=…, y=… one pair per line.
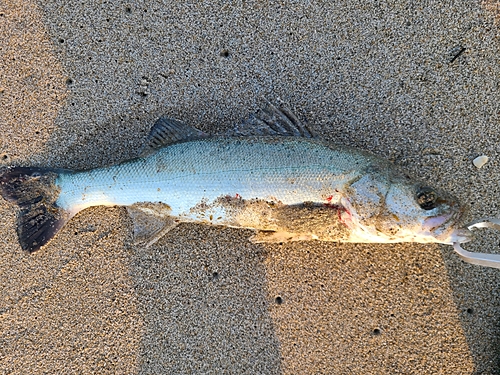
x=386, y=206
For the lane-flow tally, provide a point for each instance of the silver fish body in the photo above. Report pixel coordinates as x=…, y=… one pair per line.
x=283, y=170
x=240, y=182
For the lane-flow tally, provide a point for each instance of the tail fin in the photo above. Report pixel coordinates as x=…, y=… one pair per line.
x=35, y=191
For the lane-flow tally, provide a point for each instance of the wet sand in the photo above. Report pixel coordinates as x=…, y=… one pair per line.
x=82, y=83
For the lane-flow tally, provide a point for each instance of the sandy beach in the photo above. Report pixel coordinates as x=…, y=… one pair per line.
x=81, y=84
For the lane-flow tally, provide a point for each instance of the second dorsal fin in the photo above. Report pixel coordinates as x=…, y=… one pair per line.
x=166, y=131
x=271, y=120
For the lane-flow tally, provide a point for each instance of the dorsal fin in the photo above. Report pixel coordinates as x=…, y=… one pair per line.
x=166, y=131
x=270, y=120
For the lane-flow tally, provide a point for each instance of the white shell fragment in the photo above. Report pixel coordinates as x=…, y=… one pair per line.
x=480, y=161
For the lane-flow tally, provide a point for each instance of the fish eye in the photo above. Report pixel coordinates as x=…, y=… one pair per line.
x=426, y=198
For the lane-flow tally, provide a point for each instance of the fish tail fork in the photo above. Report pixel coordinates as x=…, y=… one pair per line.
x=35, y=192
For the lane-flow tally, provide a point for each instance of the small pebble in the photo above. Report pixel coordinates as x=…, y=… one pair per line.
x=480, y=161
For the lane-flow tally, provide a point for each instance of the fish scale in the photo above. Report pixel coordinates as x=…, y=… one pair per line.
x=286, y=169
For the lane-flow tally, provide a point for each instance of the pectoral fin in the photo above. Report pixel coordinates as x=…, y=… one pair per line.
x=151, y=222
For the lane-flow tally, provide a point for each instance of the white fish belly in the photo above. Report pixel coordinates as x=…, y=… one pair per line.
x=184, y=175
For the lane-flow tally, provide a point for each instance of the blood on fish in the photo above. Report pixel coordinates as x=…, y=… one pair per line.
x=340, y=209
x=339, y=213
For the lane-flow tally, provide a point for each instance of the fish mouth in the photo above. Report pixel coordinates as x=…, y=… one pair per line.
x=461, y=235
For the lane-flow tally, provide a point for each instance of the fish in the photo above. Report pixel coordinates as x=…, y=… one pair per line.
x=272, y=175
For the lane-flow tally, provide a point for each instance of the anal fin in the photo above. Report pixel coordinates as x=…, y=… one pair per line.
x=151, y=222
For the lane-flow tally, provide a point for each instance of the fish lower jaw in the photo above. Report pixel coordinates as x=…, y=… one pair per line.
x=458, y=236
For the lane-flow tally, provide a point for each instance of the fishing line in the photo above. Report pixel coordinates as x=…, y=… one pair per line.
x=481, y=259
